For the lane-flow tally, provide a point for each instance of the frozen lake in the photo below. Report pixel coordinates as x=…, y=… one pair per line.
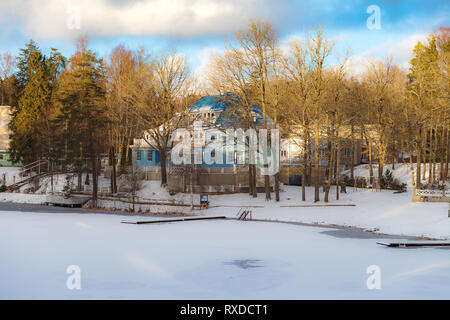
x=204, y=260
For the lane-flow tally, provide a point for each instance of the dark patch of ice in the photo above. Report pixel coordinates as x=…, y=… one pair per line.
x=245, y=263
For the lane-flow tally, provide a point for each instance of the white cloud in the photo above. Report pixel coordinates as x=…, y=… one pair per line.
x=401, y=52
x=201, y=72
x=48, y=18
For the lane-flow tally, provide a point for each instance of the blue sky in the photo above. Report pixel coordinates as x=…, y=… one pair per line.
x=198, y=27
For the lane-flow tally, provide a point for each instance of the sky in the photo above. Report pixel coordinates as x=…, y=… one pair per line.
x=197, y=28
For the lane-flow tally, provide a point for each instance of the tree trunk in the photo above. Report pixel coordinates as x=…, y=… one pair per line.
x=316, y=165
x=411, y=166
x=433, y=179
x=380, y=172
x=352, y=160
x=419, y=159
x=424, y=155
x=112, y=162
x=443, y=148
x=254, y=191
x=447, y=147
x=123, y=159
x=370, y=163
x=277, y=187
x=430, y=165
x=267, y=185
x=163, y=168
x=94, y=179
x=330, y=154
x=304, y=164
x=337, y=169
x=250, y=179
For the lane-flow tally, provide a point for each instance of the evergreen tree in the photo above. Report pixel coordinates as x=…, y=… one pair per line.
x=82, y=121
x=30, y=126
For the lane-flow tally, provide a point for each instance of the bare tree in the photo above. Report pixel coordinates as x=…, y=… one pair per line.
x=7, y=63
x=319, y=48
x=161, y=115
x=129, y=85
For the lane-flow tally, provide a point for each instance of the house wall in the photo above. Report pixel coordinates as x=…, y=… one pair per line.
x=4, y=131
x=156, y=158
x=211, y=180
x=287, y=173
x=5, y=159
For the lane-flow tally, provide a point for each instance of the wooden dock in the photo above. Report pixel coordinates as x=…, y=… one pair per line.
x=414, y=244
x=173, y=220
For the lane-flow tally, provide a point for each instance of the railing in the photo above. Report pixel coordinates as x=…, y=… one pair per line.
x=35, y=167
x=31, y=171
x=432, y=193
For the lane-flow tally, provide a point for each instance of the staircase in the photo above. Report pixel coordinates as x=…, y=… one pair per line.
x=37, y=169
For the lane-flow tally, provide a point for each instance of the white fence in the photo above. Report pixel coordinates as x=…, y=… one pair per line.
x=433, y=193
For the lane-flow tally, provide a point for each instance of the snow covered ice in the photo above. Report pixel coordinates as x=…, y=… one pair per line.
x=226, y=259
x=205, y=260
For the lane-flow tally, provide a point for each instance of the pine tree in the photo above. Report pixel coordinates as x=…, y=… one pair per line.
x=30, y=126
x=82, y=117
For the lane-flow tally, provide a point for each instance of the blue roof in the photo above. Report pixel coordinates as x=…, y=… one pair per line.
x=223, y=103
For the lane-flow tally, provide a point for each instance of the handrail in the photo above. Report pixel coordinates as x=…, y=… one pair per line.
x=30, y=167
x=33, y=164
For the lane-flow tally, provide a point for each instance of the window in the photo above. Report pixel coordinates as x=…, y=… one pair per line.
x=138, y=155
x=149, y=155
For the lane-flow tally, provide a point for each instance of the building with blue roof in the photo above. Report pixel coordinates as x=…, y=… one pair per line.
x=215, y=112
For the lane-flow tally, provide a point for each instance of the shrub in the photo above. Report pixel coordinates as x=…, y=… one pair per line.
x=387, y=180
x=3, y=188
x=361, y=182
x=349, y=182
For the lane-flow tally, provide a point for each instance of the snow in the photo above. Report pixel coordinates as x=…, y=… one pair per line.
x=9, y=173
x=401, y=171
x=204, y=260
x=22, y=198
x=379, y=211
x=376, y=211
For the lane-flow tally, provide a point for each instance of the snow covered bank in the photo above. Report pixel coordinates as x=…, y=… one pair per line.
x=22, y=198
x=9, y=173
x=402, y=172
x=379, y=211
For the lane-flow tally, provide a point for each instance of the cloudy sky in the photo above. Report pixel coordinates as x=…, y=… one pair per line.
x=199, y=27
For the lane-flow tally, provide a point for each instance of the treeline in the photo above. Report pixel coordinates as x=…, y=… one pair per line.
x=320, y=101
x=73, y=110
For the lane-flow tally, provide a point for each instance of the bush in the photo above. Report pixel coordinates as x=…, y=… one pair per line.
x=68, y=187
x=359, y=182
x=435, y=186
x=3, y=188
x=349, y=182
x=389, y=182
